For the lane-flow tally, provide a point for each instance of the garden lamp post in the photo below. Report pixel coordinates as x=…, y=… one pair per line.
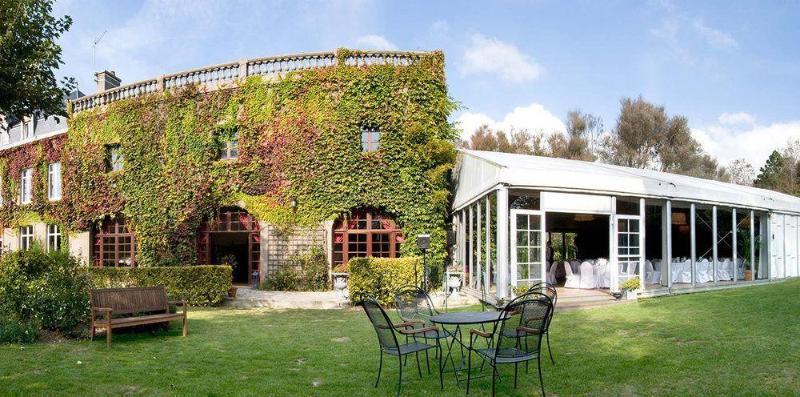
x=423, y=243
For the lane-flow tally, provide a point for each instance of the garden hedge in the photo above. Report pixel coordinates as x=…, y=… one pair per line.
x=198, y=285
x=380, y=278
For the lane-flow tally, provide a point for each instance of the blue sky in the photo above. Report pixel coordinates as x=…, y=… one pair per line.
x=732, y=68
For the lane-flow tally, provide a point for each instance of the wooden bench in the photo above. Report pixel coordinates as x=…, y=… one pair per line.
x=128, y=307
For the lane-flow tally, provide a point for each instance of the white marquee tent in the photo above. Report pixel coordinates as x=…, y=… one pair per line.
x=702, y=233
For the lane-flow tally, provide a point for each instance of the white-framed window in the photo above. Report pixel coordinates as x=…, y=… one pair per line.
x=25, y=237
x=54, y=181
x=26, y=186
x=1, y=192
x=53, y=238
x=229, y=149
x=114, y=158
x=370, y=139
x=26, y=130
x=5, y=139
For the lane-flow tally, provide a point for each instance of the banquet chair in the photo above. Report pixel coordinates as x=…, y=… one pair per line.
x=551, y=273
x=724, y=270
x=651, y=275
x=603, y=279
x=587, y=276
x=703, y=271
x=633, y=267
x=573, y=279
x=684, y=272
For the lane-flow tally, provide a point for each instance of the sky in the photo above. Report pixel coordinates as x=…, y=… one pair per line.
x=732, y=68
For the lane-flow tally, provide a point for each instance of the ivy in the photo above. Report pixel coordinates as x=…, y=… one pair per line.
x=299, y=139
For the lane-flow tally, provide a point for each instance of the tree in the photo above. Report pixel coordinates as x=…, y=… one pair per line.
x=522, y=142
x=772, y=174
x=646, y=137
x=28, y=57
x=577, y=143
x=741, y=172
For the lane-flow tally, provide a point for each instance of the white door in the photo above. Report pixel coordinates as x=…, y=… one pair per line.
x=527, y=247
x=629, y=253
x=776, y=245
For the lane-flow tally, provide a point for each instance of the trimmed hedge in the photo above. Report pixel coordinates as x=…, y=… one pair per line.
x=380, y=278
x=197, y=285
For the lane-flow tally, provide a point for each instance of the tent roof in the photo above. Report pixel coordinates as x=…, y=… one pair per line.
x=480, y=171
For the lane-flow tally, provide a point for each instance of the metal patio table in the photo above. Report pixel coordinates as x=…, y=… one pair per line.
x=457, y=320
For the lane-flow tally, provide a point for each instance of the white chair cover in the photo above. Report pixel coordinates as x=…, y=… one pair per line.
x=602, y=276
x=587, y=275
x=576, y=267
x=651, y=275
x=682, y=271
x=573, y=280
x=724, y=270
x=703, y=272
x=632, y=268
x=551, y=273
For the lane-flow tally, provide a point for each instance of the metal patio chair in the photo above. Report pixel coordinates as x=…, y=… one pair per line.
x=388, y=343
x=550, y=291
x=415, y=307
x=518, y=337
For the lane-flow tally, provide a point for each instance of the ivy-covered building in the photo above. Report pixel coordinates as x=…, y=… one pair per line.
x=249, y=162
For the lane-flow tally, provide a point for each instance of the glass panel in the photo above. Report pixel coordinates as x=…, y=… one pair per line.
x=522, y=255
x=534, y=222
x=633, y=225
x=522, y=271
x=633, y=240
x=522, y=238
x=522, y=222
x=536, y=238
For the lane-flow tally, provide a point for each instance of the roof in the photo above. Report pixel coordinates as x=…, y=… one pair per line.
x=480, y=171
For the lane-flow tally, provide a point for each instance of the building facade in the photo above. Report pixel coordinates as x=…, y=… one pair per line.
x=248, y=163
x=520, y=220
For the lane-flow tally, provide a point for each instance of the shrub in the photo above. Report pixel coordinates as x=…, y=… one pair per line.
x=630, y=284
x=197, y=285
x=50, y=289
x=16, y=331
x=380, y=278
x=286, y=278
x=306, y=272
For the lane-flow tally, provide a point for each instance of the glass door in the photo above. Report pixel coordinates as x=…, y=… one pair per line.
x=527, y=247
x=628, y=247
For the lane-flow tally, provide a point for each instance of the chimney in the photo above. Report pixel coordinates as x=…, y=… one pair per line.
x=106, y=80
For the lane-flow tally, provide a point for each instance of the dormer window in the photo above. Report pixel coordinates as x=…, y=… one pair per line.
x=370, y=139
x=26, y=130
x=229, y=145
x=115, y=160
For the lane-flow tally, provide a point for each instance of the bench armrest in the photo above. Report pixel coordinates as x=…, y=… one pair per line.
x=179, y=303
x=100, y=310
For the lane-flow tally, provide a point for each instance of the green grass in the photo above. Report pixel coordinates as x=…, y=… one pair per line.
x=737, y=342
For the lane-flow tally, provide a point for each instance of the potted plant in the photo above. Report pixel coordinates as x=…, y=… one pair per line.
x=630, y=286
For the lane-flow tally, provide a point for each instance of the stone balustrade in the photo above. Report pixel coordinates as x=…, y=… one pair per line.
x=212, y=77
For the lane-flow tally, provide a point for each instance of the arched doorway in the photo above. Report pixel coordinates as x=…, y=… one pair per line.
x=365, y=232
x=232, y=237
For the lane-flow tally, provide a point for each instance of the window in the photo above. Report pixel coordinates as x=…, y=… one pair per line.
x=26, y=130
x=25, y=237
x=114, y=158
x=364, y=233
x=4, y=138
x=370, y=139
x=229, y=148
x=1, y=191
x=114, y=244
x=54, y=181
x=53, y=238
x=26, y=186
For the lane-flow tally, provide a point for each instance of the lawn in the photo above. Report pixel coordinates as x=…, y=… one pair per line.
x=736, y=342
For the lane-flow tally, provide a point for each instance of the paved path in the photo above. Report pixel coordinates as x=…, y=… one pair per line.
x=247, y=297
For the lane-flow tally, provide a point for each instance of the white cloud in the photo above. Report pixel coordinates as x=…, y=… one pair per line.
x=738, y=136
x=492, y=56
x=375, y=42
x=714, y=37
x=738, y=118
x=534, y=118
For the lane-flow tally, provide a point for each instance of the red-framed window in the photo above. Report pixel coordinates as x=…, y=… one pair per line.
x=114, y=244
x=365, y=233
